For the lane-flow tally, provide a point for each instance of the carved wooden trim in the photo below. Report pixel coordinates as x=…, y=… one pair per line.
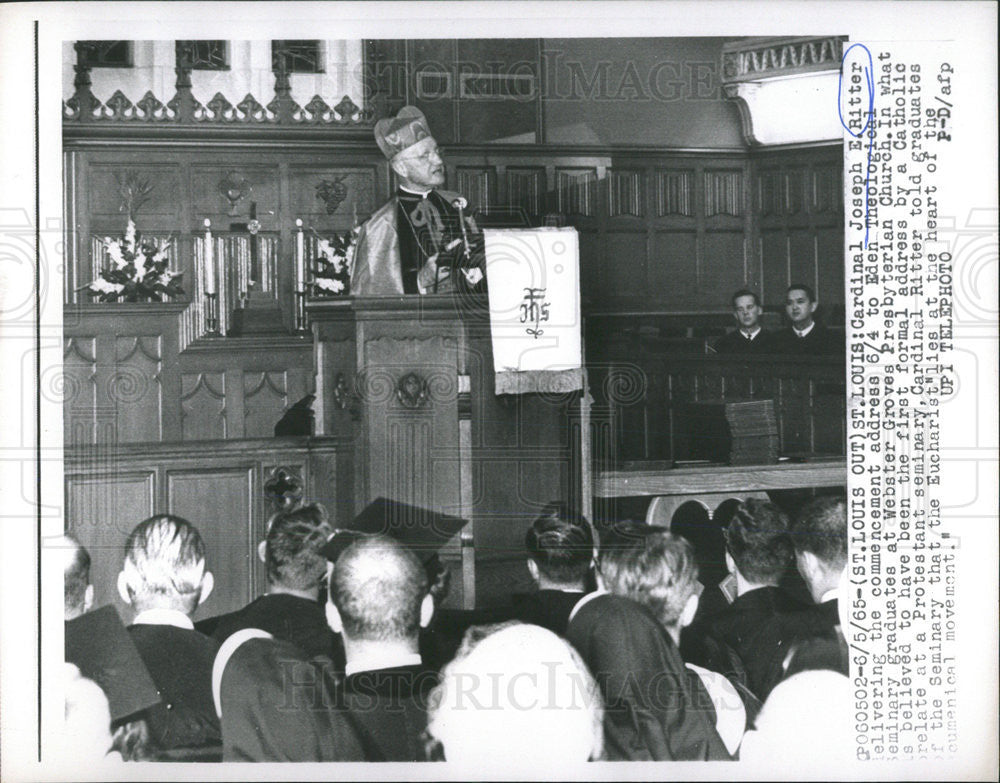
x=479, y=185
x=625, y=193
x=576, y=191
x=769, y=57
x=723, y=193
x=673, y=192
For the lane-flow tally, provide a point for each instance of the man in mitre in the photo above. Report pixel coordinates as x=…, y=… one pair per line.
x=416, y=242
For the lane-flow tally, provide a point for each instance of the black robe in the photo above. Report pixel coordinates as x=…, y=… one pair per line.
x=287, y=618
x=735, y=342
x=388, y=710
x=820, y=341
x=180, y=662
x=276, y=706
x=656, y=708
x=743, y=628
x=547, y=608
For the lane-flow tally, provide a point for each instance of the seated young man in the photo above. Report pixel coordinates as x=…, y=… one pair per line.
x=290, y=609
x=627, y=632
x=164, y=579
x=749, y=337
x=758, y=553
x=560, y=550
x=804, y=336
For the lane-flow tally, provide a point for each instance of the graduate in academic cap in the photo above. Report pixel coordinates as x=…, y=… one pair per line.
x=418, y=242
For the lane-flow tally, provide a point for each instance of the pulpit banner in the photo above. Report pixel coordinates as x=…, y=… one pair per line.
x=534, y=290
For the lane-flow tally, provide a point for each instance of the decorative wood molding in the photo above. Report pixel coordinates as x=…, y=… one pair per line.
x=283, y=487
x=411, y=391
x=576, y=191
x=724, y=193
x=769, y=57
x=625, y=193
x=673, y=192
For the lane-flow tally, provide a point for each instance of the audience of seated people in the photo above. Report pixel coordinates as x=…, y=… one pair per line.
x=266, y=695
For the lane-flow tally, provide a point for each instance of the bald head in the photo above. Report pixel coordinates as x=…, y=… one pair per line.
x=378, y=587
x=78, y=592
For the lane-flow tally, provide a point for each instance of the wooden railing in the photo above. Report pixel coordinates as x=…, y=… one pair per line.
x=640, y=397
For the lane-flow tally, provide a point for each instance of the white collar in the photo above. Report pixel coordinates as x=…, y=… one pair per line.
x=372, y=661
x=172, y=617
x=830, y=595
x=804, y=332
x=421, y=193
x=585, y=599
x=752, y=334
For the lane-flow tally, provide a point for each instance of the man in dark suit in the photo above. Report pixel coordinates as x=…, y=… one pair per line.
x=560, y=550
x=805, y=337
x=749, y=338
x=290, y=609
x=164, y=579
x=819, y=536
x=379, y=601
x=758, y=552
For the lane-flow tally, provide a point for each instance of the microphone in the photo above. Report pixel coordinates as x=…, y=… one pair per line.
x=460, y=203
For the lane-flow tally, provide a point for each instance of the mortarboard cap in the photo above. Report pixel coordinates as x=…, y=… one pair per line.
x=395, y=134
x=103, y=651
x=420, y=530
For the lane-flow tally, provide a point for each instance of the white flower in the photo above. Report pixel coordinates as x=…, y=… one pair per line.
x=130, y=235
x=141, y=270
x=115, y=254
x=102, y=286
x=324, y=248
x=335, y=286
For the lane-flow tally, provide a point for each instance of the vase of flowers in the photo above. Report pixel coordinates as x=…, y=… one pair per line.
x=137, y=271
x=331, y=272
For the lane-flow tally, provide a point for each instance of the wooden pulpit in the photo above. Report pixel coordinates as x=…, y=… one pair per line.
x=410, y=379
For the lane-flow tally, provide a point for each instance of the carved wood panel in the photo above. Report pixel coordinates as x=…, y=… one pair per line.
x=265, y=396
x=673, y=192
x=135, y=388
x=723, y=192
x=626, y=192
x=203, y=406
x=79, y=390
x=576, y=191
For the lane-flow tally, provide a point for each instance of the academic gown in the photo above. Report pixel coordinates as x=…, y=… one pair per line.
x=286, y=617
x=656, y=708
x=743, y=628
x=791, y=629
x=276, y=706
x=180, y=662
x=736, y=343
x=388, y=709
x=820, y=341
x=547, y=608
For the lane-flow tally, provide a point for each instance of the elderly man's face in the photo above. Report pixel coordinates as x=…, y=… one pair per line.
x=799, y=309
x=421, y=164
x=747, y=312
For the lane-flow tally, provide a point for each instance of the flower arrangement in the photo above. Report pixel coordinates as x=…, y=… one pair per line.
x=332, y=270
x=138, y=270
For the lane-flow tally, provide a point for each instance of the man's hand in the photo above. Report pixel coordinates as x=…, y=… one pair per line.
x=473, y=275
x=431, y=273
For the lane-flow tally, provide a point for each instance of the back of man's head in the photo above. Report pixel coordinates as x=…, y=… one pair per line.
x=78, y=593
x=292, y=548
x=561, y=544
x=654, y=567
x=821, y=528
x=819, y=535
x=757, y=539
x=164, y=565
x=378, y=587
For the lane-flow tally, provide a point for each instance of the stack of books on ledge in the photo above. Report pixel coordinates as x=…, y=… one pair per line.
x=740, y=432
